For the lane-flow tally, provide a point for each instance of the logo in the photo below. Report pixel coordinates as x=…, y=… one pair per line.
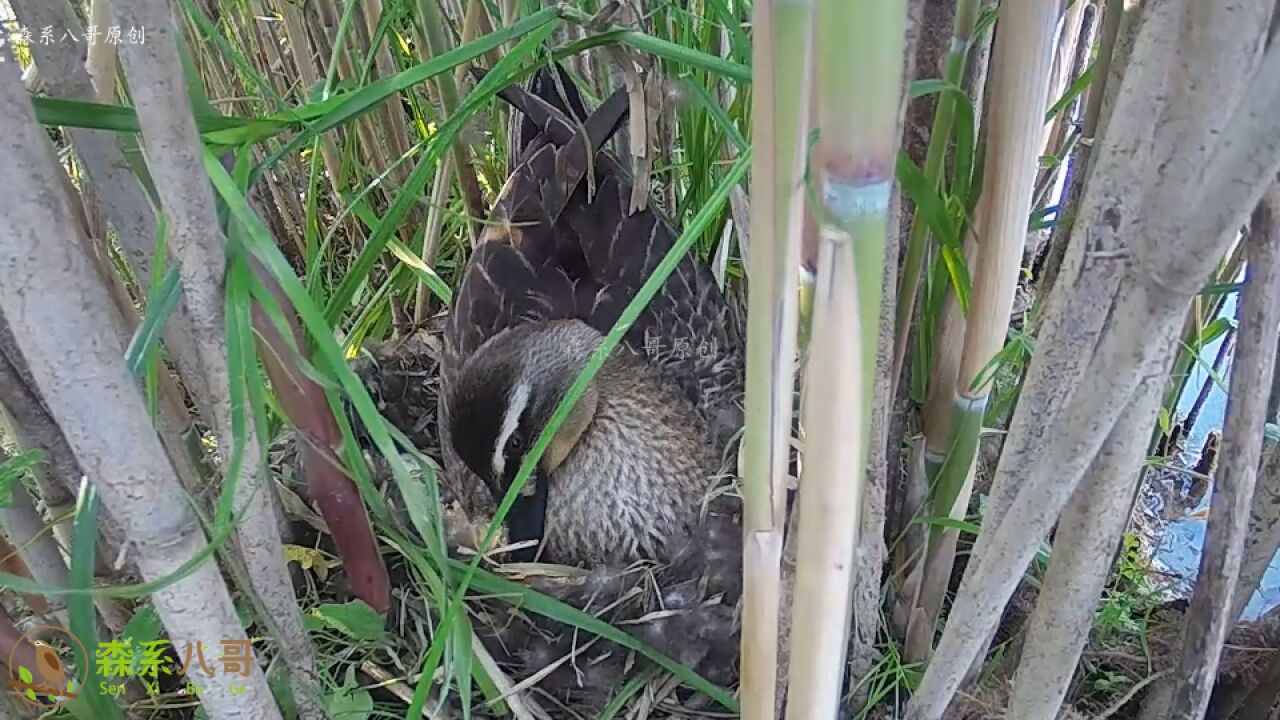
x=37, y=670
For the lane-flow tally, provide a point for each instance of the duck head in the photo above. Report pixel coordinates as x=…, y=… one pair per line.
x=506, y=392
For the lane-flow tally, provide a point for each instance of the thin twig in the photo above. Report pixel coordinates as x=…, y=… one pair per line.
x=1133, y=691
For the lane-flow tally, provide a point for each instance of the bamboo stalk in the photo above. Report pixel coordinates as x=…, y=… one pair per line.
x=123, y=200
x=974, y=82
x=1063, y=70
x=1115, y=311
x=939, y=136
x=1263, y=538
x=1209, y=617
x=36, y=546
x=920, y=599
x=1087, y=536
x=440, y=187
x=53, y=302
x=386, y=124
x=1261, y=545
x=394, y=122
x=858, y=120
x=916, y=624
x=1062, y=138
x=102, y=62
x=262, y=22
x=300, y=46
x=780, y=101
x=871, y=553
x=865, y=651
x=1112, y=14
x=1019, y=92
x=1273, y=397
x=475, y=22
x=199, y=246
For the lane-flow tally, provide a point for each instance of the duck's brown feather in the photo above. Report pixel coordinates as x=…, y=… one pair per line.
x=558, y=247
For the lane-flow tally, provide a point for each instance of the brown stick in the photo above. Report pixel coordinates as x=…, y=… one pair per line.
x=1209, y=617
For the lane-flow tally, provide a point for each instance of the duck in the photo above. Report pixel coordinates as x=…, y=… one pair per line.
x=631, y=490
x=557, y=262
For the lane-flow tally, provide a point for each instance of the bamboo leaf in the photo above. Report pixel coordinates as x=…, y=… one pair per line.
x=58, y=112
x=718, y=114
x=630, y=689
x=943, y=521
x=1069, y=96
x=80, y=610
x=423, y=271
x=927, y=200
x=492, y=82
x=958, y=274
x=354, y=619
x=934, y=86
x=13, y=469
x=662, y=48
x=962, y=180
x=1215, y=289
x=159, y=308
x=343, y=109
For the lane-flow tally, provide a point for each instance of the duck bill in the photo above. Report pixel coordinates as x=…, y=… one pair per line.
x=527, y=518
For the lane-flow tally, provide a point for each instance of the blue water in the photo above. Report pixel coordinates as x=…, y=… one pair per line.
x=1180, y=547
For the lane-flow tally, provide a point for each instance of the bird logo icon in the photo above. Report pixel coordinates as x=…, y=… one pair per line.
x=37, y=672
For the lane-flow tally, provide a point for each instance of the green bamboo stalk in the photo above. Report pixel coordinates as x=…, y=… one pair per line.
x=853, y=162
x=1020, y=86
x=779, y=116
x=941, y=338
x=939, y=139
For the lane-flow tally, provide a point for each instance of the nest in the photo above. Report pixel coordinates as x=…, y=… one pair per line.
x=688, y=608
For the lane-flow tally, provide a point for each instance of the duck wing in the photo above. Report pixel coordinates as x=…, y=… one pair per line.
x=524, y=268
x=688, y=328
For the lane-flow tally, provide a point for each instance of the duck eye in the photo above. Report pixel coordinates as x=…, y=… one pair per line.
x=515, y=443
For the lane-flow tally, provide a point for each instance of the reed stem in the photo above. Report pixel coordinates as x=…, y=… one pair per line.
x=779, y=116
x=853, y=162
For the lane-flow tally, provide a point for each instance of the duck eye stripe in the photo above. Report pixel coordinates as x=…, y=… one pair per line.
x=519, y=400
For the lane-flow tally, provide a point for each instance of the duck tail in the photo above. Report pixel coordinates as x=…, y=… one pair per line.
x=558, y=90
x=551, y=110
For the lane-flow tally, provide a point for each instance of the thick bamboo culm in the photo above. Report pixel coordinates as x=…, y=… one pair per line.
x=782, y=32
x=853, y=161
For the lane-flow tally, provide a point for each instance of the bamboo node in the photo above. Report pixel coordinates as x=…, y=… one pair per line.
x=853, y=200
